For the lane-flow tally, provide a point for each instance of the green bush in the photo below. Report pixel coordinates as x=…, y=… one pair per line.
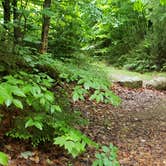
x=89, y=80
x=42, y=119
x=46, y=114
x=40, y=98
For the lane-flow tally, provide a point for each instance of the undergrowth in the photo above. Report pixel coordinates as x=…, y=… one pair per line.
x=42, y=119
x=43, y=105
x=89, y=79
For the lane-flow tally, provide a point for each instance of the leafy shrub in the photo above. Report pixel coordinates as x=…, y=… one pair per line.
x=108, y=157
x=74, y=141
x=47, y=115
x=149, y=54
x=43, y=119
x=89, y=79
x=139, y=58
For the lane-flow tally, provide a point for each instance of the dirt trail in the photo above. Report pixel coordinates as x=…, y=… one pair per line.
x=143, y=127
x=137, y=127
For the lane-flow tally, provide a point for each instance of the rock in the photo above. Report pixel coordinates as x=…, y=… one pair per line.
x=158, y=83
x=128, y=81
x=131, y=83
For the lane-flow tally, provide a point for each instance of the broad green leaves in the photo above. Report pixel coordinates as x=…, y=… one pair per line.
x=9, y=93
x=90, y=80
x=79, y=93
x=74, y=142
x=42, y=115
x=32, y=122
x=28, y=89
x=18, y=103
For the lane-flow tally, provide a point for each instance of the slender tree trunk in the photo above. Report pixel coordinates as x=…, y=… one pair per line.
x=45, y=28
x=25, y=20
x=17, y=29
x=6, y=9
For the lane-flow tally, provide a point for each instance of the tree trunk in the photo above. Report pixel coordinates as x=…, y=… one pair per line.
x=45, y=28
x=17, y=29
x=6, y=9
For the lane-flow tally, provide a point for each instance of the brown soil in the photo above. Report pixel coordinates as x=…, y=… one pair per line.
x=137, y=127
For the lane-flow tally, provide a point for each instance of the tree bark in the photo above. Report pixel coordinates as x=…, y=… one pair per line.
x=45, y=28
x=6, y=9
x=17, y=29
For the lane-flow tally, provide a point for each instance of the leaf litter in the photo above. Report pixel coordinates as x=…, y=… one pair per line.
x=137, y=127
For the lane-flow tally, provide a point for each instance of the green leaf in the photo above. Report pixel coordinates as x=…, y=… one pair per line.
x=42, y=101
x=98, y=155
x=87, y=85
x=55, y=108
x=1, y=99
x=27, y=88
x=11, y=80
x=35, y=90
x=29, y=123
x=107, y=161
x=69, y=145
x=8, y=102
x=105, y=149
x=18, y=92
x=3, y=159
x=95, y=163
x=48, y=12
x=58, y=108
x=18, y=103
x=59, y=141
x=75, y=96
x=32, y=122
x=163, y=2
x=4, y=94
x=38, y=125
x=49, y=96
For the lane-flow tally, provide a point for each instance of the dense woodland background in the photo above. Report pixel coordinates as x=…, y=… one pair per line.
x=124, y=33
x=49, y=52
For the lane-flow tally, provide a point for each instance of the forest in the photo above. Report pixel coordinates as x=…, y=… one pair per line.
x=82, y=82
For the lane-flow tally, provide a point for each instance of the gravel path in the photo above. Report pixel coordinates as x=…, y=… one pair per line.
x=137, y=127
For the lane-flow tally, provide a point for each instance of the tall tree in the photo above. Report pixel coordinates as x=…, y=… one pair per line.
x=17, y=29
x=45, y=27
x=6, y=9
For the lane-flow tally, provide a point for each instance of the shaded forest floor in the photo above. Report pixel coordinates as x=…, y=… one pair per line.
x=137, y=127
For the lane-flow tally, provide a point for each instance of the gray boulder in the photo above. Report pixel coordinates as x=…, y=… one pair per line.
x=127, y=81
x=158, y=83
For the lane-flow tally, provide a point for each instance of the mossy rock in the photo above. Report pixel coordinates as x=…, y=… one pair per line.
x=158, y=83
x=127, y=81
x=131, y=83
